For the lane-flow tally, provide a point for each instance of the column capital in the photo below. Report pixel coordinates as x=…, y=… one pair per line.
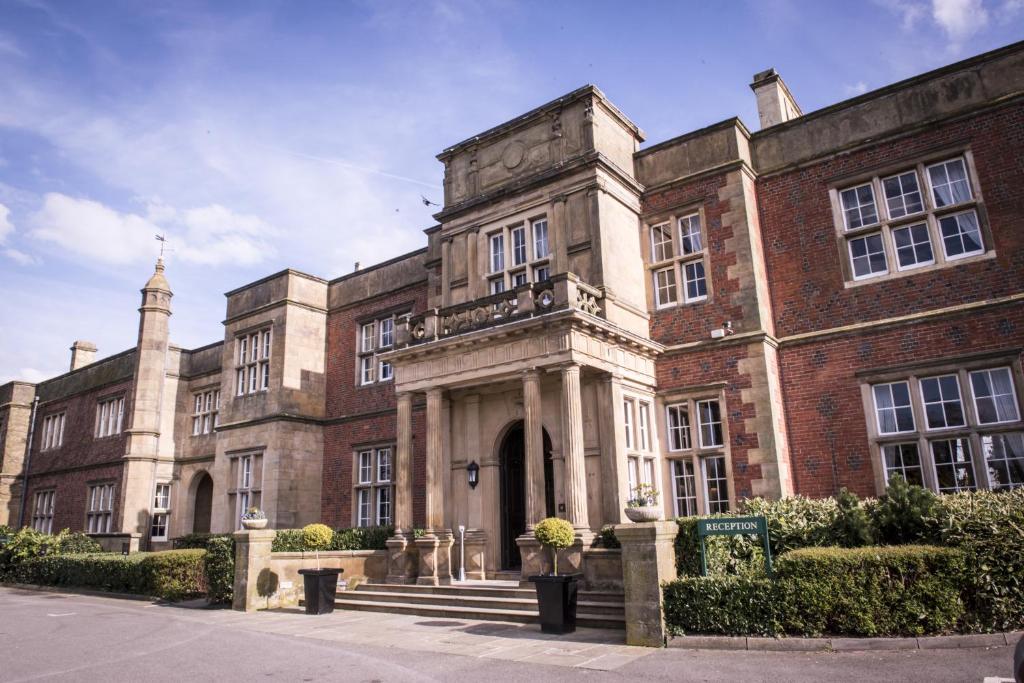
x=531, y=374
x=436, y=392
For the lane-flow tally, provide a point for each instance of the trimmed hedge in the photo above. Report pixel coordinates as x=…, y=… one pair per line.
x=27, y=543
x=171, y=574
x=874, y=591
x=219, y=564
x=196, y=541
x=359, y=538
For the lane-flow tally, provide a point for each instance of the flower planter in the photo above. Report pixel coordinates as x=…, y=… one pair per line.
x=556, y=602
x=255, y=523
x=320, y=586
x=648, y=513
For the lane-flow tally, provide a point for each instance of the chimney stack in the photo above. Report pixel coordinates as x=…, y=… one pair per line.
x=82, y=353
x=775, y=104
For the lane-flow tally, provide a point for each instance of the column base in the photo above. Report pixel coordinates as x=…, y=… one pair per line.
x=402, y=560
x=435, y=558
x=536, y=559
x=476, y=550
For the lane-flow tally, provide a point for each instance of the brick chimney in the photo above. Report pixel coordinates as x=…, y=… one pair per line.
x=82, y=353
x=775, y=104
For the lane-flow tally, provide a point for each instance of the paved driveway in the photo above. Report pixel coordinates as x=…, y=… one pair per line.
x=56, y=636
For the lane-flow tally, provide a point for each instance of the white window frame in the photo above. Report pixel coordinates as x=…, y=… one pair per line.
x=517, y=253
x=681, y=410
x=668, y=259
x=248, y=483
x=700, y=423
x=252, y=361
x=942, y=402
x=374, y=486
x=375, y=337
x=99, y=514
x=1013, y=394
x=109, y=417
x=53, y=431
x=42, y=510
x=889, y=221
x=205, y=411
x=895, y=408
x=161, y=514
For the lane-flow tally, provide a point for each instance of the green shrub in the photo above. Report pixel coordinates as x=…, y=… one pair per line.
x=606, y=538
x=27, y=543
x=729, y=605
x=359, y=538
x=219, y=564
x=876, y=591
x=988, y=527
x=852, y=525
x=725, y=555
x=171, y=575
x=75, y=543
x=198, y=541
x=905, y=514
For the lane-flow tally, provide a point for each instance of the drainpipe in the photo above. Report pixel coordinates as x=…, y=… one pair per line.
x=28, y=461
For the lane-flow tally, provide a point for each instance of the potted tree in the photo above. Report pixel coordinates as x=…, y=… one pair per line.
x=253, y=518
x=643, y=506
x=556, y=593
x=320, y=585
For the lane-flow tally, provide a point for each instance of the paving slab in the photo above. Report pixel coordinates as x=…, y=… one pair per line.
x=789, y=644
x=852, y=644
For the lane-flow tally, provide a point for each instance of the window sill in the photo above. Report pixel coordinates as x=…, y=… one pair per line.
x=984, y=256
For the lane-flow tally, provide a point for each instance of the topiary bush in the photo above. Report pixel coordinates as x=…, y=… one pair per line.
x=555, y=533
x=219, y=565
x=174, y=574
x=876, y=591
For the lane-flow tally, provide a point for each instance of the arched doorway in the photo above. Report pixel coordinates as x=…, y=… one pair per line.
x=512, y=489
x=203, y=505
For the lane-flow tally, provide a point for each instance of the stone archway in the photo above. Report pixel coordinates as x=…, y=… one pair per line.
x=512, y=491
x=202, y=505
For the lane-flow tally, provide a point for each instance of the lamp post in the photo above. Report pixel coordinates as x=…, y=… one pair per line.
x=462, y=552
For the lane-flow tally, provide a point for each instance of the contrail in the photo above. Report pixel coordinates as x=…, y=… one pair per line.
x=351, y=166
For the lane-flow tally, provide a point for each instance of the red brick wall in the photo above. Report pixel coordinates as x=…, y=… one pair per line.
x=365, y=414
x=709, y=366
x=81, y=459
x=827, y=426
x=804, y=262
x=692, y=322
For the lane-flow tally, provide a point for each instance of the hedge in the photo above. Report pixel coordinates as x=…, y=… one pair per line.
x=171, y=574
x=360, y=538
x=873, y=591
x=196, y=540
x=25, y=543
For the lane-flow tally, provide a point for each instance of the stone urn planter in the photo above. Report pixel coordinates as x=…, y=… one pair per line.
x=255, y=523
x=646, y=513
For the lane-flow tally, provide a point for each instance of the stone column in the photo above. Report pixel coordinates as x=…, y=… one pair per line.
x=435, y=546
x=572, y=449
x=648, y=560
x=252, y=557
x=401, y=554
x=614, y=462
x=533, y=431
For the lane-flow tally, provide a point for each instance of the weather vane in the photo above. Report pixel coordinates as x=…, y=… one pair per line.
x=162, y=239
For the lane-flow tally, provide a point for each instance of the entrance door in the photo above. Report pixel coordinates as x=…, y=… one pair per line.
x=513, y=504
x=203, y=505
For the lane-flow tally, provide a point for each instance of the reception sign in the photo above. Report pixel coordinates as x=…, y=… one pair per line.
x=734, y=526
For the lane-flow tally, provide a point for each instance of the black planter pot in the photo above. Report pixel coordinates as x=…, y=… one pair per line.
x=556, y=600
x=321, y=586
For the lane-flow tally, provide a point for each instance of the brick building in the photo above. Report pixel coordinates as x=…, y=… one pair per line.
x=825, y=302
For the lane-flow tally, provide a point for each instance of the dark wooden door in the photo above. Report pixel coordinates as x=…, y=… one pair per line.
x=513, y=504
x=204, y=505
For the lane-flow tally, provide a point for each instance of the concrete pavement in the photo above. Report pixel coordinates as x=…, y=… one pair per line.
x=58, y=636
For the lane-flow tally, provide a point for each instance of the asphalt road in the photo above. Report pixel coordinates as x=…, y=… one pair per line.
x=51, y=636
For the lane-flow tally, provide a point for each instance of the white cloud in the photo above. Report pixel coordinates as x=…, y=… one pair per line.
x=858, y=88
x=960, y=19
x=909, y=11
x=6, y=227
x=20, y=257
x=211, y=235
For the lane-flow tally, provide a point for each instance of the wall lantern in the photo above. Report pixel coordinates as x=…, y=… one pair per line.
x=473, y=472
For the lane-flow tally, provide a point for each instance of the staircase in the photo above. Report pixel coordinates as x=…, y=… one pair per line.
x=483, y=600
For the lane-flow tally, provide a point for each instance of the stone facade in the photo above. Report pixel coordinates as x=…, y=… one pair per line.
x=587, y=316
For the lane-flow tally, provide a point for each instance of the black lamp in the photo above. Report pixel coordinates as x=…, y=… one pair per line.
x=473, y=472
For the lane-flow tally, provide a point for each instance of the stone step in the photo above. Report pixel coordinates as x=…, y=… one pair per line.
x=473, y=602
x=483, y=590
x=583, y=619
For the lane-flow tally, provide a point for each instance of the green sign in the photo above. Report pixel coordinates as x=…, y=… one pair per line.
x=733, y=526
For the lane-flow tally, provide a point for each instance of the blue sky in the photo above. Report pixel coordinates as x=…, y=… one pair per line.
x=264, y=135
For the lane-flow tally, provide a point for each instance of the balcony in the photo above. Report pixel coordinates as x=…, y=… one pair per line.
x=534, y=299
